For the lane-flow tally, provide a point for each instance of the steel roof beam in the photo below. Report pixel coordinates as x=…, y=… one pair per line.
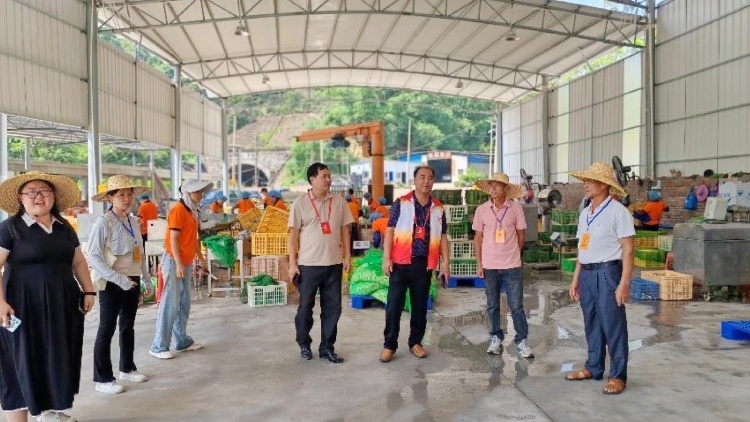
x=386, y=62
x=634, y=22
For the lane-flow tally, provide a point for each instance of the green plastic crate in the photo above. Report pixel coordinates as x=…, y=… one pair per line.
x=569, y=265
x=458, y=231
x=564, y=216
x=567, y=229
x=544, y=237
x=448, y=196
x=649, y=254
x=530, y=256
x=543, y=256
x=476, y=197
x=639, y=234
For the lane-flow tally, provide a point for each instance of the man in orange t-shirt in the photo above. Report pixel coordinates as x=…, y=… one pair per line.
x=146, y=212
x=182, y=248
x=654, y=208
x=379, y=227
x=267, y=201
x=381, y=208
x=245, y=204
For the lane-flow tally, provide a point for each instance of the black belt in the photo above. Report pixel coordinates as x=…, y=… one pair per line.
x=600, y=265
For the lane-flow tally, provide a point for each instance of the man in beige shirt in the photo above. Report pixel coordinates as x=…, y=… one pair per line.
x=318, y=254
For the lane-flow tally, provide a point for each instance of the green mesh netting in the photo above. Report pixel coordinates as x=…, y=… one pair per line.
x=368, y=279
x=222, y=247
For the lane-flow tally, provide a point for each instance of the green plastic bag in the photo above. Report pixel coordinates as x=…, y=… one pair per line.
x=223, y=247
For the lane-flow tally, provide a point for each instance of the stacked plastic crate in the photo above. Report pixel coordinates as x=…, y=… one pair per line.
x=647, y=253
x=474, y=198
x=565, y=222
x=270, y=252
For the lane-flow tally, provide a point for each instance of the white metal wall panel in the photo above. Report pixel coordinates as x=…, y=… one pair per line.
x=155, y=106
x=212, y=125
x=191, y=131
x=670, y=100
x=43, y=60
x=117, y=94
x=581, y=93
x=607, y=117
x=702, y=92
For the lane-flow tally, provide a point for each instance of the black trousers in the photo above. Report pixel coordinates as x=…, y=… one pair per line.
x=416, y=278
x=328, y=280
x=114, y=302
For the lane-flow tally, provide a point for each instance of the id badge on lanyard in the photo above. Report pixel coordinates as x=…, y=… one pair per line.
x=137, y=254
x=420, y=233
x=499, y=235
x=584, y=243
x=326, y=227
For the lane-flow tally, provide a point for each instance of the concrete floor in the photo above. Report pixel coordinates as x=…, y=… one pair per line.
x=250, y=370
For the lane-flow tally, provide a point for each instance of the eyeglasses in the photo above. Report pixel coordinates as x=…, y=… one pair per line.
x=32, y=194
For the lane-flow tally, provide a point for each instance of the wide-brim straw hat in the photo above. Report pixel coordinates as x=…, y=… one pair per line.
x=513, y=191
x=117, y=182
x=67, y=193
x=601, y=172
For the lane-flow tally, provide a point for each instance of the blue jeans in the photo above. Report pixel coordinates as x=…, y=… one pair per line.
x=605, y=323
x=174, y=308
x=510, y=280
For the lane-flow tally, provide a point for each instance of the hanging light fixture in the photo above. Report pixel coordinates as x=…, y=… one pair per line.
x=241, y=30
x=266, y=79
x=459, y=84
x=511, y=34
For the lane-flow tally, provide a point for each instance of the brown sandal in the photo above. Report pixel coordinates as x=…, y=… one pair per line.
x=614, y=386
x=579, y=376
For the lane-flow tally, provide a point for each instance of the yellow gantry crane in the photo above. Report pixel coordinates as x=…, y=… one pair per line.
x=373, y=145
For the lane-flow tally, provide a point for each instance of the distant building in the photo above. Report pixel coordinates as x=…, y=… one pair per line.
x=449, y=167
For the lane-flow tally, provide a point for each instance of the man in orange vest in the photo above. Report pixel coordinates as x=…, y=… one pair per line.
x=276, y=200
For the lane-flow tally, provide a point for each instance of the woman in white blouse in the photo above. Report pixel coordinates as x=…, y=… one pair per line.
x=116, y=257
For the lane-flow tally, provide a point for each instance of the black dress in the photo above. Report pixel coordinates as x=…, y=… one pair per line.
x=40, y=363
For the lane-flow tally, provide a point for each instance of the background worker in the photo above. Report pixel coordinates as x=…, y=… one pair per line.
x=243, y=205
x=217, y=207
x=146, y=212
x=651, y=213
x=381, y=208
x=276, y=200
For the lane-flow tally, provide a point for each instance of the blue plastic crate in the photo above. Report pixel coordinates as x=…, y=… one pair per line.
x=735, y=330
x=362, y=302
x=641, y=289
x=466, y=281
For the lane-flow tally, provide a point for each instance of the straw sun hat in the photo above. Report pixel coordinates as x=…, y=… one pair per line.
x=601, y=172
x=512, y=192
x=118, y=182
x=67, y=193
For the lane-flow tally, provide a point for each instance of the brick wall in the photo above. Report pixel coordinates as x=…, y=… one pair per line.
x=673, y=192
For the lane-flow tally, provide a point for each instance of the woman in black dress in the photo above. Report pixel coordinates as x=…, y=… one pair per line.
x=40, y=362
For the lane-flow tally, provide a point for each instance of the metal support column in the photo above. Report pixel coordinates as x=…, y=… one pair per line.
x=650, y=105
x=94, y=143
x=27, y=154
x=3, y=153
x=499, y=139
x=545, y=132
x=176, y=151
x=224, y=150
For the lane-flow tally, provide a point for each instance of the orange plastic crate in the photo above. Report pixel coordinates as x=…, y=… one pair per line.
x=249, y=219
x=672, y=285
x=270, y=244
x=273, y=220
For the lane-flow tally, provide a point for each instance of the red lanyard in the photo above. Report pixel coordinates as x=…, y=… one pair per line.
x=427, y=217
x=330, y=204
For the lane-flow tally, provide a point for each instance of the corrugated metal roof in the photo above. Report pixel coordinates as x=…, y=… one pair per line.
x=454, y=47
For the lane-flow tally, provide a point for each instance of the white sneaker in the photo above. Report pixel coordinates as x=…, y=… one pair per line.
x=133, y=376
x=496, y=345
x=524, y=350
x=109, y=387
x=194, y=346
x=52, y=416
x=161, y=355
